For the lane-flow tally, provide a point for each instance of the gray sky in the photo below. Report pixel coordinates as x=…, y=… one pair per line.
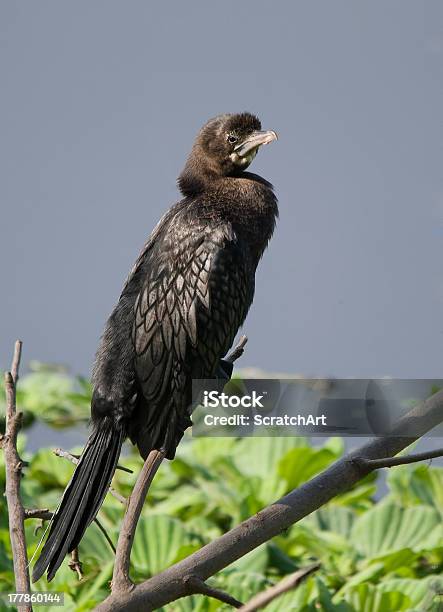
x=100, y=103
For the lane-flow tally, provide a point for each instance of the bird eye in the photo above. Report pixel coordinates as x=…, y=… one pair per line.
x=232, y=138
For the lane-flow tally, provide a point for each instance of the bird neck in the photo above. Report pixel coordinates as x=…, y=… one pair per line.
x=198, y=174
x=247, y=202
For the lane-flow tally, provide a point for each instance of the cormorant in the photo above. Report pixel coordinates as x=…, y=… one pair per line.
x=183, y=302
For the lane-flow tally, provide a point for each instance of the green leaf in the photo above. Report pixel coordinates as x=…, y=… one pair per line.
x=50, y=470
x=300, y=464
x=294, y=600
x=367, y=598
x=324, y=601
x=388, y=527
x=94, y=545
x=260, y=456
x=242, y=585
x=359, y=497
x=338, y=519
x=254, y=561
x=422, y=593
x=157, y=543
x=418, y=485
x=194, y=603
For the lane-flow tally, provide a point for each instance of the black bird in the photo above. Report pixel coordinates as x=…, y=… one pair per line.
x=180, y=309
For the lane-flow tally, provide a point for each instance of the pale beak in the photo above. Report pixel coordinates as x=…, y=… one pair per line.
x=254, y=141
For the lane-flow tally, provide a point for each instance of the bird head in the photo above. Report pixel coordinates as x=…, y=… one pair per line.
x=232, y=141
x=225, y=146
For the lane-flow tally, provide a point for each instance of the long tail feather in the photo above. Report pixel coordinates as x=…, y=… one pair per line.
x=81, y=500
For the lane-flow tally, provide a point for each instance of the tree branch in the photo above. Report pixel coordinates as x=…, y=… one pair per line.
x=13, y=476
x=340, y=477
x=290, y=582
x=75, y=459
x=44, y=514
x=198, y=586
x=388, y=462
x=120, y=578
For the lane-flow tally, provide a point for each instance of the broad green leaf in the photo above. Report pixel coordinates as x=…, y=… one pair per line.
x=157, y=543
x=194, y=603
x=97, y=589
x=388, y=527
x=359, y=497
x=367, y=598
x=242, y=585
x=422, y=593
x=50, y=470
x=94, y=545
x=304, y=539
x=325, y=602
x=293, y=600
x=260, y=456
x=208, y=451
x=254, y=561
x=331, y=517
x=418, y=485
x=300, y=464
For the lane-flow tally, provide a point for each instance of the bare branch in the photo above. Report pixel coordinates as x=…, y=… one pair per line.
x=15, y=366
x=117, y=495
x=340, y=477
x=106, y=535
x=290, y=582
x=120, y=579
x=35, y=513
x=196, y=585
x=388, y=462
x=13, y=476
x=75, y=459
x=66, y=455
x=124, y=469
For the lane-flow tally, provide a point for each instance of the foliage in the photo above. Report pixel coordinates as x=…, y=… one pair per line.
x=375, y=557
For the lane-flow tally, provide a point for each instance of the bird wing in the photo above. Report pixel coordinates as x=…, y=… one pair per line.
x=196, y=293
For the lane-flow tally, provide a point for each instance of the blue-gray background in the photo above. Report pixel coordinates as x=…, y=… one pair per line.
x=99, y=105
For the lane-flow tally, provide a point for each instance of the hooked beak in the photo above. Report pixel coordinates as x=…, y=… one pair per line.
x=254, y=141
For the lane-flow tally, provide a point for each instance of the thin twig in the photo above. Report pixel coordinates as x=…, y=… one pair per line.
x=117, y=495
x=75, y=564
x=36, y=513
x=197, y=585
x=388, y=462
x=120, y=579
x=124, y=469
x=290, y=582
x=105, y=533
x=13, y=475
x=75, y=459
x=67, y=455
x=15, y=366
x=46, y=515
x=71, y=456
